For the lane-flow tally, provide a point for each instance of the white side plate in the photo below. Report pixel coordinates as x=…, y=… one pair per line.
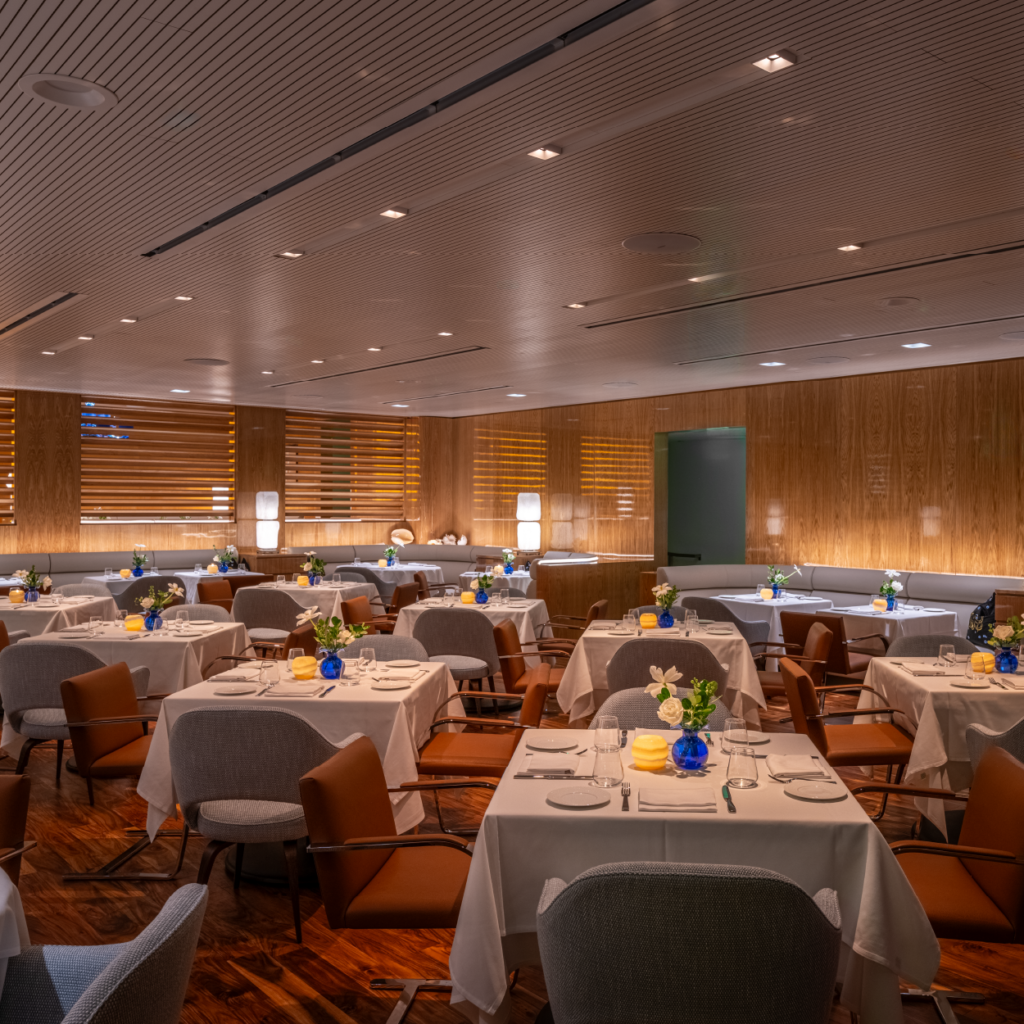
x=390, y=684
x=817, y=791
x=577, y=798
x=970, y=684
x=235, y=689
x=402, y=664
x=536, y=739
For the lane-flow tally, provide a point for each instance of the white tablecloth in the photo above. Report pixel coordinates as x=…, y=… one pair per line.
x=402, y=573
x=937, y=713
x=45, y=615
x=584, y=685
x=14, y=935
x=523, y=841
x=115, y=584
x=861, y=620
x=398, y=722
x=519, y=580
x=327, y=597
x=751, y=607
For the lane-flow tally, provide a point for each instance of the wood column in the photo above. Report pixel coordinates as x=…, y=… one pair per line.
x=437, y=483
x=259, y=450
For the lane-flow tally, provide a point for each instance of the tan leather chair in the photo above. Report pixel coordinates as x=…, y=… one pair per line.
x=371, y=877
x=972, y=890
x=598, y=610
x=215, y=590
x=303, y=637
x=14, y=794
x=357, y=609
x=426, y=587
x=844, y=663
x=813, y=657
x=845, y=745
x=514, y=673
x=403, y=595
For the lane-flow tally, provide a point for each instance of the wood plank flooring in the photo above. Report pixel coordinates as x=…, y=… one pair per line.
x=248, y=967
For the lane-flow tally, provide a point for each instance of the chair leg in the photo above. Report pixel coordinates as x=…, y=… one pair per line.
x=88, y=786
x=23, y=756
x=942, y=998
x=213, y=848
x=291, y=859
x=409, y=988
x=107, y=873
x=60, y=758
x=885, y=796
x=239, y=854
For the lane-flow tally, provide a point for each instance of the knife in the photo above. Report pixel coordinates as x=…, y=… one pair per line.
x=327, y=691
x=728, y=800
x=563, y=777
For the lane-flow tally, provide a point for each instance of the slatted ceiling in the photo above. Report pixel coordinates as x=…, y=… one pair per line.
x=7, y=456
x=146, y=460
x=506, y=462
x=351, y=467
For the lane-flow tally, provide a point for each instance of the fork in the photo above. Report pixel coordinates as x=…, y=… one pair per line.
x=625, y=796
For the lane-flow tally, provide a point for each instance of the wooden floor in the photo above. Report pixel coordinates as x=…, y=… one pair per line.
x=248, y=967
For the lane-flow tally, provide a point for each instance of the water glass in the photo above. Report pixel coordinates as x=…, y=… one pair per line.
x=95, y=621
x=607, y=768
x=122, y=614
x=971, y=675
x=606, y=733
x=355, y=561
x=947, y=654
x=279, y=580
x=198, y=569
x=293, y=653
x=107, y=573
x=629, y=622
x=269, y=674
x=155, y=571
x=742, y=772
x=368, y=660
x=735, y=732
x=295, y=577
x=336, y=577
x=691, y=621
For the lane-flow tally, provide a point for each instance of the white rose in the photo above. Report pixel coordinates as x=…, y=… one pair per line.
x=47, y=581
x=897, y=587
x=147, y=602
x=671, y=711
x=1003, y=632
x=474, y=584
x=307, y=566
x=655, y=688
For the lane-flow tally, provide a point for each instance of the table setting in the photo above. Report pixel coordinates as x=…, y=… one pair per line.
x=529, y=615
x=53, y=612
x=393, y=703
x=520, y=579
x=405, y=572
x=901, y=620
x=116, y=583
x=538, y=827
x=752, y=607
x=326, y=596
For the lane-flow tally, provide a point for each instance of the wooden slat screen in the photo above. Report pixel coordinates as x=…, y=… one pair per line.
x=147, y=460
x=616, y=476
x=506, y=462
x=351, y=467
x=7, y=456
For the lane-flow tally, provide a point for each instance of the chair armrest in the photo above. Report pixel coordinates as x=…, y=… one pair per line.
x=771, y=643
x=870, y=636
x=960, y=852
x=855, y=712
x=475, y=784
x=478, y=695
x=153, y=696
x=390, y=843
x=120, y=720
x=563, y=619
x=17, y=851
x=563, y=625
x=806, y=661
x=501, y=723
x=906, y=790
x=846, y=687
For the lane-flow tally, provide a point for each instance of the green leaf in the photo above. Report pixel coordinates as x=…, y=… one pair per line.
x=686, y=703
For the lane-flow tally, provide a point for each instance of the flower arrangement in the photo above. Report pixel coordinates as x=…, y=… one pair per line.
x=508, y=555
x=390, y=551
x=222, y=558
x=331, y=634
x=484, y=581
x=158, y=600
x=314, y=565
x=890, y=588
x=691, y=712
x=138, y=558
x=777, y=578
x=32, y=579
x=665, y=595
x=1008, y=634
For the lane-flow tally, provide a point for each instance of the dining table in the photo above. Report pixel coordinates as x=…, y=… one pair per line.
x=327, y=597
x=584, y=685
x=404, y=572
x=753, y=607
x=14, y=936
x=397, y=719
x=190, y=578
x=54, y=612
x=936, y=704
x=519, y=580
x=904, y=620
x=528, y=836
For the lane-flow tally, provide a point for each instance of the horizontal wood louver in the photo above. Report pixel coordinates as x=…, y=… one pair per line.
x=506, y=462
x=615, y=475
x=351, y=467
x=147, y=460
x=7, y=456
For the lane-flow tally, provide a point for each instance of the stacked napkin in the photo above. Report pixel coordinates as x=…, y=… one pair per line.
x=550, y=764
x=929, y=669
x=791, y=766
x=693, y=799
x=408, y=675
x=238, y=675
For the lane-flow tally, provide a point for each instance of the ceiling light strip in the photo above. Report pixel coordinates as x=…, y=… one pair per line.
x=448, y=394
x=472, y=88
x=384, y=366
x=48, y=304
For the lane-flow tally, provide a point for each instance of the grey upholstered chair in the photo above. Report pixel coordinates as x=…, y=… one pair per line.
x=128, y=599
x=30, y=678
x=384, y=589
x=515, y=592
x=637, y=709
x=83, y=590
x=268, y=615
x=199, y=611
x=980, y=738
x=387, y=647
x=234, y=797
x=348, y=577
x=630, y=665
x=711, y=608
x=926, y=645
x=463, y=639
x=141, y=980
x=768, y=953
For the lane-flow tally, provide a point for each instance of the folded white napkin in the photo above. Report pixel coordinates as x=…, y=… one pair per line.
x=237, y=675
x=550, y=764
x=930, y=669
x=405, y=674
x=694, y=799
x=297, y=688
x=787, y=766
x=1013, y=682
x=603, y=625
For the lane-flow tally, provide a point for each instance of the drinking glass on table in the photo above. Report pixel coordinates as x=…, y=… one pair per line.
x=269, y=674
x=606, y=733
x=973, y=673
x=368, y=660
x=122, y=614
x=279, y=580
x=607, y=768
x=295, y=577
x=742, y=771
x=947, y=654
x=293, y=653
x=197, y=569
x=629, y=622
x=735, y=732
x=336, y=577
x=690, y=620
x=107, y=573
x=95, y=621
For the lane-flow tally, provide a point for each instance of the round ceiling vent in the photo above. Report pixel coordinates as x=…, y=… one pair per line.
x=829, y=359
x=899, y=300
x=204, y=361
x=661, y=242
x=1012, y=336
x=68, y=92
x=620, y=384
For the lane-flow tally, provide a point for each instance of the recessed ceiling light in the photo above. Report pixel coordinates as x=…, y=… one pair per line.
x=316, y=360
x=546, y=152
x=180, y=391
x=444, y=334
x=776, y=61
x=47, y=352
x=373, y=350
x=398, y=405
x=183, y=298
x=917, y=344
x=62, y=91
x=85, y=337
x=895, y=301
x=515, y=394
x=289, y=254
x=129, y=319
x=829, y=359
x=773, y=364
x=852, y=247
x=267, y=373
x=576, y=305
x=395, y=212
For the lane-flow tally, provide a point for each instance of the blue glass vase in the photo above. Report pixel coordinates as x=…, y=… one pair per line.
x=689, y=752
x=315, y=581
x=137, y=571
x=776, y=587
x=509, y=568
x=665, y=619
x=153, y=621
x=223, y=567
x=890, y=602
x=1006, y=660
x=481, y=596
x=31, y=594
x=391, y=562
x=332, y=667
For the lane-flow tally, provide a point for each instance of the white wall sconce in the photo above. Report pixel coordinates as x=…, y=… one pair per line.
x=528, y=514
x=267, y=525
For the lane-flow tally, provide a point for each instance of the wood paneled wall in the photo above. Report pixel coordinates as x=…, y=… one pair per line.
x=259, y=466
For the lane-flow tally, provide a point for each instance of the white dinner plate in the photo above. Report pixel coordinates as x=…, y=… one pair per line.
x=235, y=689
x=402, y=664
x=200, y=622
x=577, y=798
x=817, y=791
x=970, y=684
x=540, y=741
x=390, y=684
x=935, y=609
x=620, y=632
x=188, y=633
x=75, y=629
x=711, y=631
